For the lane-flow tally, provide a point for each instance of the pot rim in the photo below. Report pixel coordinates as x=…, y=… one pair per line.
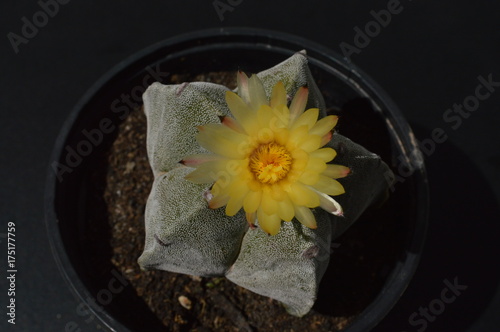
x=400, y=277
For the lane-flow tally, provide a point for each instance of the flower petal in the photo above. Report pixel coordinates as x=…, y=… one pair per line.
x=271, y=120
x=316, y=164
x=252, y=201
x=224, y=142
x=268, y=204
x=218, y=202
x=242, y=112
x=282, y=117
x=308, y=118
x=324, y=125
x=328, y=204
x=257, y=93
x=336, y=171
x=207, y=172
x=278, y=95
x=251, y=217
x=325, y=154
x=217, y=129
x=297, y=136
x=254, y=184
x=265, y=115
x=235, y=202
x=232, y=123
x=219, y=197
x=243, y=90
x=198, y=159
x=326, y=138
x=219, y=188
x=305, y=216
x=269, y=223
x=299, y=154
x=328, y=186
x=310, y=143
x=302, y=195
x=298, y=104
x=277, y=192
x=309, y=177
x=286, y=211
x=281, y=136
x=300, y=159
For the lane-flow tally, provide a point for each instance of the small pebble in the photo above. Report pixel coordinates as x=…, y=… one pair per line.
x=129, y=167
x=185, y=302
x=195, y=278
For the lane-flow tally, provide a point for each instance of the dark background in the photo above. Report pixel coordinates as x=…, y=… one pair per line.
x=428, y=58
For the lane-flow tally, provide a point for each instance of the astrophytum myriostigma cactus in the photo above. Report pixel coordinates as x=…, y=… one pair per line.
x=244, y=182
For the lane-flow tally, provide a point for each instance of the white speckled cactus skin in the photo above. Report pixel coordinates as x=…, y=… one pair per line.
x=183, y=239
x=287, y=266
x=183, y=235
x=173, y=112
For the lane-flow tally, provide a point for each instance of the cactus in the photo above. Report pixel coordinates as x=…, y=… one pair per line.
x=196, y=227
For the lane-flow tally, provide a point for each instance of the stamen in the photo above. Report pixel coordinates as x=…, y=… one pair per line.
x=270, y=163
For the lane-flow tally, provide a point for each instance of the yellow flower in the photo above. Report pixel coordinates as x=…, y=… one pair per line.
x=269, y=159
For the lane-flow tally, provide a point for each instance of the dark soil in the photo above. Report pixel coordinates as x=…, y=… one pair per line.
x=359, y=265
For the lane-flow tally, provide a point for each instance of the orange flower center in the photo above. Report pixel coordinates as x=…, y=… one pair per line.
x=270, y=162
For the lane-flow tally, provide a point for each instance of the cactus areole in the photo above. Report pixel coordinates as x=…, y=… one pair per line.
x=251, y=198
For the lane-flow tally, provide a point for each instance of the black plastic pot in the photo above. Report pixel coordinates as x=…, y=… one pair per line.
x=66, y=200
